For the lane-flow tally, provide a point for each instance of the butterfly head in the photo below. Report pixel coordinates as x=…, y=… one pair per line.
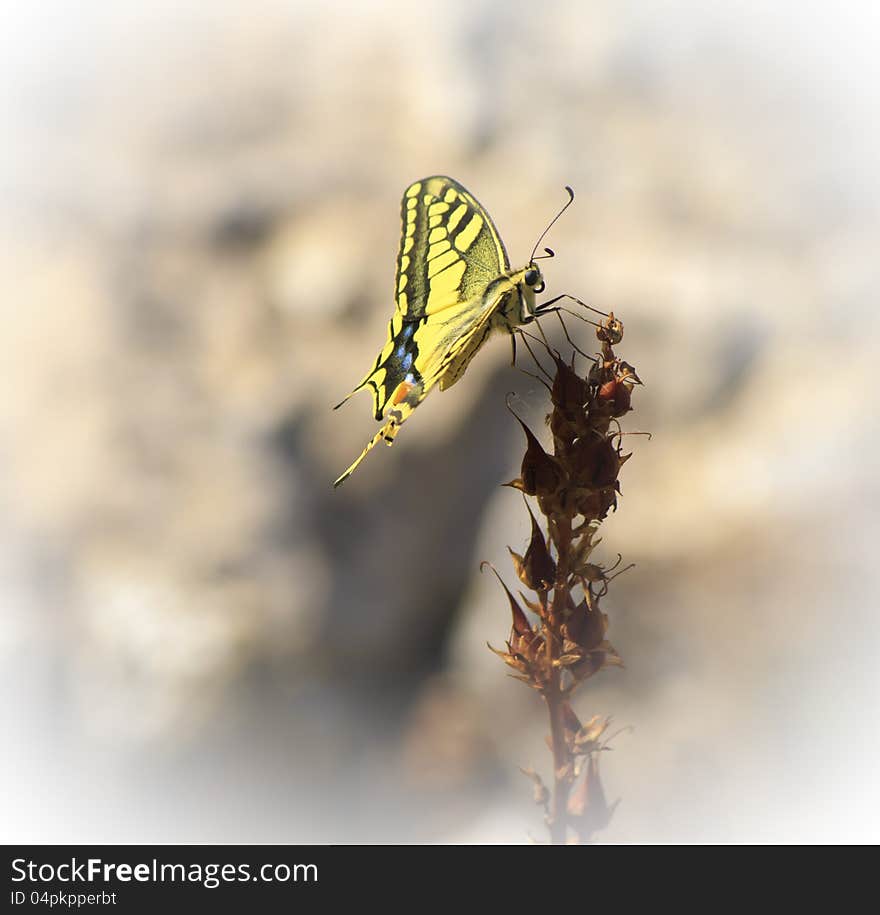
x=533, y=279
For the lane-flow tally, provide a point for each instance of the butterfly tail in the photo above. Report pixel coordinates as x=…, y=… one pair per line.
x=351, y=393
x=370, y=383
x=347, y=396
x=386, y=433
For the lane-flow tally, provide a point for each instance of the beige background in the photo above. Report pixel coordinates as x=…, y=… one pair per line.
x=200, y=640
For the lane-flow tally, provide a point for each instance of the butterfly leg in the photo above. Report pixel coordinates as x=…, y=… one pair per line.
x=545, y=307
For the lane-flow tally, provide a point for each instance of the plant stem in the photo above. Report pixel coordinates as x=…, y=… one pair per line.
x=561, y=775
x=560, y=534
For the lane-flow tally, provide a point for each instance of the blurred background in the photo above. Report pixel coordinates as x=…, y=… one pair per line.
x=202, y=641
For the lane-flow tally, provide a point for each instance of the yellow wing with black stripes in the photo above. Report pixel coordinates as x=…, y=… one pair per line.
x=453, y=286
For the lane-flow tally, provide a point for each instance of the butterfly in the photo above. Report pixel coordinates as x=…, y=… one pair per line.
x=454, y=287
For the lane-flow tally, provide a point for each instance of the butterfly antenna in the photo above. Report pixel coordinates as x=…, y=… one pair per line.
x=552, y=221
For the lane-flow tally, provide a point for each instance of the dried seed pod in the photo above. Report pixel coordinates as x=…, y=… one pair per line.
x=588, y=808
x=569, y=392
x=610, y=331
x=586, y=627
x=538, y=566
x=540, y=474
x=521, y=624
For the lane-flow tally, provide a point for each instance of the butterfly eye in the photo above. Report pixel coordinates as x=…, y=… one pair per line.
x=540, y=288
x=532, y=276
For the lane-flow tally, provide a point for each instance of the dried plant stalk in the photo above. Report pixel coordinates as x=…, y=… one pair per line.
x=574, y=487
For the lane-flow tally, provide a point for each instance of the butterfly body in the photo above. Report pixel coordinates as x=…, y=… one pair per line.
x=454, y=287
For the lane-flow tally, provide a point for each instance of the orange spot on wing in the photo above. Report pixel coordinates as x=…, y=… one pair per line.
x=401, y=393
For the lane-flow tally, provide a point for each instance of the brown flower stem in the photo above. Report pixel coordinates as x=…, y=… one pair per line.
x=560, y=536
x=561, y=781
x=568, y=645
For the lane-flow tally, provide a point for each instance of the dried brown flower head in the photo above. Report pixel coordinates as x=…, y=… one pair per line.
x=574, y=486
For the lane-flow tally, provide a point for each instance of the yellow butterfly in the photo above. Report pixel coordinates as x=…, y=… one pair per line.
x=454, y=286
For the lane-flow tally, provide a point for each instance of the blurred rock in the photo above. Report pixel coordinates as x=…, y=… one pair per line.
x=197, y=261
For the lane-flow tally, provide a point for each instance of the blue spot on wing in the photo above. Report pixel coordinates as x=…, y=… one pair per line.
x=407, y=361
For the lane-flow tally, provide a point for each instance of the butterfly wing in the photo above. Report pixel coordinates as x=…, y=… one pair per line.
x=463, y=335
x=449, y=253
x=449, y=249
x=451, y=275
